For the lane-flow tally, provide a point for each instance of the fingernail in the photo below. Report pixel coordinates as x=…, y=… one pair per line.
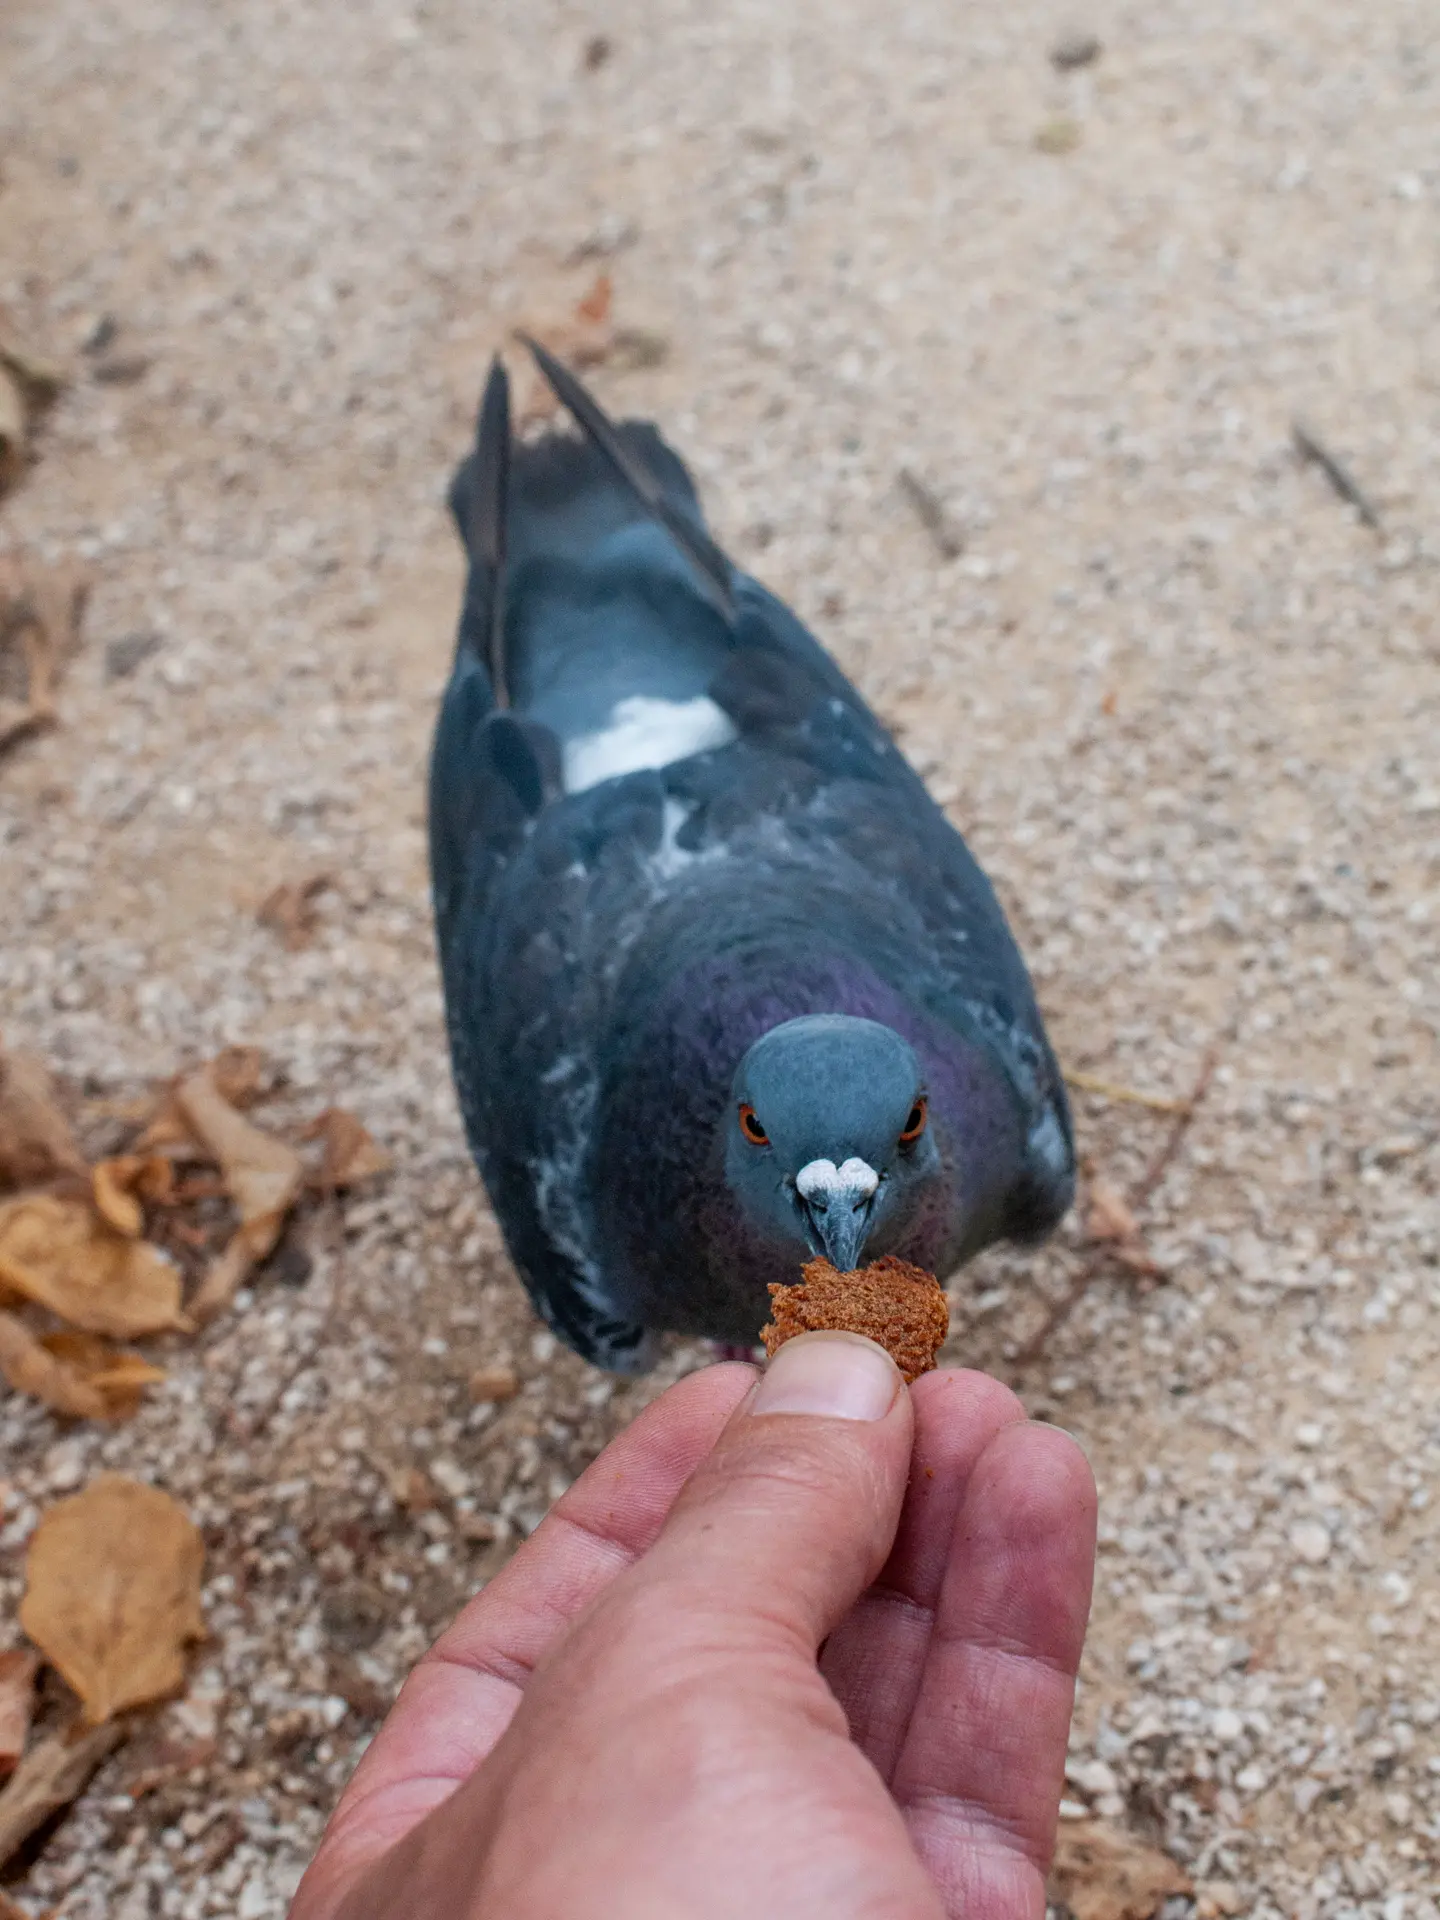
x=841, y=1375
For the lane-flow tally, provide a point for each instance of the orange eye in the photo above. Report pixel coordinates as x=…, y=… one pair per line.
x=915, y=1125
x=751, y=1127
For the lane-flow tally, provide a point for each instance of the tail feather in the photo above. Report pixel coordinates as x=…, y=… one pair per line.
x=561, y=498
x=620, y=451
x=480, y=502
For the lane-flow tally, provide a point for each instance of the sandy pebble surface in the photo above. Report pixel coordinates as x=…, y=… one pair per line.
x=1185, y=706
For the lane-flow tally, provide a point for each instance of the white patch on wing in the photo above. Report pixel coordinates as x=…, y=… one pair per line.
x=822, y=1181
x=645, y=732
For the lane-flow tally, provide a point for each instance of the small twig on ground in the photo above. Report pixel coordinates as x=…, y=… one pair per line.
x=949, y=540
x=1124, y=1096
x=1145, y=1190
x=225, y=1837
x=1310, y=446
x=1160, y=1165
x=1035, y=1346
x=54, y=1772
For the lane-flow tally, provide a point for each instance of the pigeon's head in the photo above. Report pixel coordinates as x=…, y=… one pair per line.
x=828, y=1146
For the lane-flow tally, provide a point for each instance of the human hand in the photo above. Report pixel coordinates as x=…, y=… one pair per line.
x=805, y=1647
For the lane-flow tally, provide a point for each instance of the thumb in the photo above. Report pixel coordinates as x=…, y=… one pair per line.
x=793, y=1513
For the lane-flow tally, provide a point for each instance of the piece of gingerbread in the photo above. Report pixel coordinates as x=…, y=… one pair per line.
x=900, y=1307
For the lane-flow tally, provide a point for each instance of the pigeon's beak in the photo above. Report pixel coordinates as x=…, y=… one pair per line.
x=842, y=1235
x=836, y=1204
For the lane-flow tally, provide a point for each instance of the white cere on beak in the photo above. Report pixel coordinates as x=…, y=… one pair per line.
x=822, y=1182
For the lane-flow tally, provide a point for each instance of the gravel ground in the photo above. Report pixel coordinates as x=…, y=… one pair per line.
x=1182, y=702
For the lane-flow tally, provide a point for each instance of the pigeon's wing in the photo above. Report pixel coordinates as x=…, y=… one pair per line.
x=537, y=894
x=513, y=892
x=529, y=973
x=491, y=773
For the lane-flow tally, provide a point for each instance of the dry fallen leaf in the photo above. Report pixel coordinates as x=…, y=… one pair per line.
x=1109, y=1216
x=122, y=1187
x=52, y=1774
x=29, y=1367
x=77, y=1374
x=41, y=607
x=117, y=1374
x=583, y=335
x=17, y=1703
x=1110, y=1222
x=1102, y=1872
x=36, y=1143
x=582, y=338
x=290, y=909
x=414, y=1490
x=57, y=1251
x=112, y=1593
x=262, y=1175
x=348, y=1154
x=596, y=306
x=236, y=1072
x=494, y=1383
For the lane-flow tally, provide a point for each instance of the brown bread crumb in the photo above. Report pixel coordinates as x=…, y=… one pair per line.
x=902, y=1308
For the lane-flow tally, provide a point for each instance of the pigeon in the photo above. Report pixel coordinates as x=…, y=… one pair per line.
x=724, y=989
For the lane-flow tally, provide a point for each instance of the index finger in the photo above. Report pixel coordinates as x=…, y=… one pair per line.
x=461, y=1697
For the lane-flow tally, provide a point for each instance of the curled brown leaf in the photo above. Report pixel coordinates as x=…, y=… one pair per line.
x=1110, y=1222
x=124, y=1186
x=263, y=1177
x=57, y=1251
x=348, y=1153
x=1109, y=1216
x=1102, y=1872
x=75, y=1374
x=31, y=1369
x=289, y=910
x=236, y=1073
x=119, y=1375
